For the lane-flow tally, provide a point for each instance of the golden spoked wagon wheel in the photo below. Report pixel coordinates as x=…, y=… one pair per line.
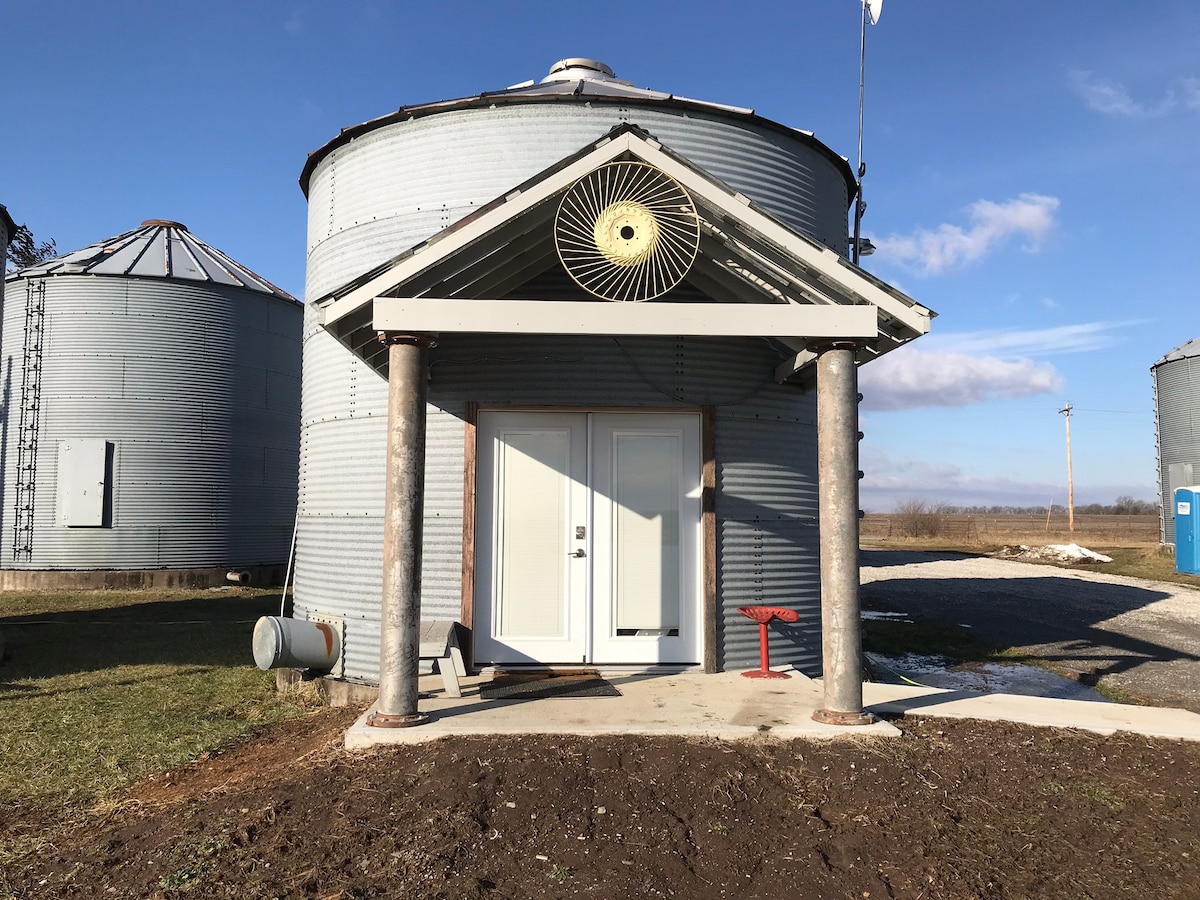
x=627, y=231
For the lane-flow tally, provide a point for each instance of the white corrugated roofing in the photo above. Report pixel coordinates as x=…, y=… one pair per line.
x=157, y=249
x=1183, y=351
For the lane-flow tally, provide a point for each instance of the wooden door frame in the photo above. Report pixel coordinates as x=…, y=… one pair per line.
x=709, y=612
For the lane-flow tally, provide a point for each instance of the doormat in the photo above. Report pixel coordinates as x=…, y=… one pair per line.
x=546, y=686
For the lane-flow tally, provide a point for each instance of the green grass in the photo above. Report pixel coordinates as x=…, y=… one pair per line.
x=104, y=688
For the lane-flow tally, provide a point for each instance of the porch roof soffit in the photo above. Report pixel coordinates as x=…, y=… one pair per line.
x=746, y=255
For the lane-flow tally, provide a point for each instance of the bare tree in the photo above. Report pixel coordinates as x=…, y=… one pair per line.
x=24, y=251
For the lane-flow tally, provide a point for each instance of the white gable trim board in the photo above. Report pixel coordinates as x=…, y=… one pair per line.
x=425, y=314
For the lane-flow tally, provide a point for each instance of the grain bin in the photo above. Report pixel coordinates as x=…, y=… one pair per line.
x=1177, y=427
x=379, y=190
x=8, y=230
x=151, y=389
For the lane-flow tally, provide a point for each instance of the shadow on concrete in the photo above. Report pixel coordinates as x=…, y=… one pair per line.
x=876, y=558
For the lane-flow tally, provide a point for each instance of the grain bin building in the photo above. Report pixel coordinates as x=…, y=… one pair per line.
x=151, y=414
x=8, y=229
x=1176, y=427
x=603, y=482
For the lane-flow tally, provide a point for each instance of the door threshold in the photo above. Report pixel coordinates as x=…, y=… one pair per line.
x=603, y=670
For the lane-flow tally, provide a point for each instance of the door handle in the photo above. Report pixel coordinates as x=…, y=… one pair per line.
x=578, y=554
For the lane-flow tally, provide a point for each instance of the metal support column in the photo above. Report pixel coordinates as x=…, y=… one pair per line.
x=837, y=456
x=400, y=614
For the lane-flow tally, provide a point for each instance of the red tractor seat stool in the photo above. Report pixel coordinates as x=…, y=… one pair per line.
x=762, y=615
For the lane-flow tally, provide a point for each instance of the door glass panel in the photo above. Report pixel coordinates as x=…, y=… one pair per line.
x=646, y=551
x=534, y=467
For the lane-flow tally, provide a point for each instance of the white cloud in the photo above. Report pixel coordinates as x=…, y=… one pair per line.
x=1018, y=343
x=1190, y=91
x=1112, y=98
x=914, y=379
x=931, y=252
x=977, y=366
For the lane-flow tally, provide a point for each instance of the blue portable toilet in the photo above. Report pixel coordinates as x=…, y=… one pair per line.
x=1187, y=527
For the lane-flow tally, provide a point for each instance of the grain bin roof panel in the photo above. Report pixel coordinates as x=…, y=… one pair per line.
x=1183, y=351
x=157, y=249
x=155, y=262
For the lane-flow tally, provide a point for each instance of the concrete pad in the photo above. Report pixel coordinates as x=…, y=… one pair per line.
x=1102, y=718
x=730, y=707
x=725, y=706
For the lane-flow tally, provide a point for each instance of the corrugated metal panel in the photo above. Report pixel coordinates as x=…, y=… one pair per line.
x=196, y=384
x=573, y=88
x=438, y=169
x=1177, y=414
x=768, y=540
x=766, y=450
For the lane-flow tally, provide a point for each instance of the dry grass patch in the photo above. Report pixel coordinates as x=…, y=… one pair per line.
x=102, y=689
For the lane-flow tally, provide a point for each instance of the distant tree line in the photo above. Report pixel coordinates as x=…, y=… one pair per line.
x=1122, y=506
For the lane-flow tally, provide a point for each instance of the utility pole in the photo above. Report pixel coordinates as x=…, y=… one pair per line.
x=1066, y=411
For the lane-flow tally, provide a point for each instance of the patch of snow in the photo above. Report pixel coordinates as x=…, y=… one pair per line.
x=1057, y=552
x=871, y=614
x=981, y=678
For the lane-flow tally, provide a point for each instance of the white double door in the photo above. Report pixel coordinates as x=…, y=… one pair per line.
x=588, y=539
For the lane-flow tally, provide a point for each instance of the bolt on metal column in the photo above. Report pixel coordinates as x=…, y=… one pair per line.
x=837, y=458
x=400, y=613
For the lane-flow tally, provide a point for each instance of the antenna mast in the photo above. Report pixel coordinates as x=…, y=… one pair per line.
x=870, y=10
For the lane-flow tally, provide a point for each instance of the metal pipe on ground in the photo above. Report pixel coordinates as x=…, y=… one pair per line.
x=837, y=461
x=400, y=614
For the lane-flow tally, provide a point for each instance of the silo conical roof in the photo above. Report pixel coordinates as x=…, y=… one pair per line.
x=157, y=248
x=1183, y=351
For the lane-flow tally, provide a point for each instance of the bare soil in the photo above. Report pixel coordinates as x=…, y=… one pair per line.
x=951, y=809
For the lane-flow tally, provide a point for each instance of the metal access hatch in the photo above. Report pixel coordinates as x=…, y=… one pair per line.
x=83, y=482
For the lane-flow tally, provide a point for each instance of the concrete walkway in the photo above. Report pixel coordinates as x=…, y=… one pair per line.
x=730, y=707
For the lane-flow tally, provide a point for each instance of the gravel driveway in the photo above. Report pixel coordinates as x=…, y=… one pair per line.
x=1141, y=637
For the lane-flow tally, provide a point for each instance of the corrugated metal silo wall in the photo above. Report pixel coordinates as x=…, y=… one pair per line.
x=1177, y=409
x=197, y=388
x=766, y=491
x=397, y=185
x=394, y=187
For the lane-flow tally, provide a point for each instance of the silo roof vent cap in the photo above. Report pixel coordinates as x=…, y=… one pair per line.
x=164, y=223
x=575, y=68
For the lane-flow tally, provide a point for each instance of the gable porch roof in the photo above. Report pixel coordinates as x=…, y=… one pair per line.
x=761, y=277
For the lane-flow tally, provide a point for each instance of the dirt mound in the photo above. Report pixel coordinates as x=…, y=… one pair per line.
x=951, y=809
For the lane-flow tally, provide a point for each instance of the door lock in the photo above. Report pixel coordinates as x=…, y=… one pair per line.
x=580, y=532
x=578, y=554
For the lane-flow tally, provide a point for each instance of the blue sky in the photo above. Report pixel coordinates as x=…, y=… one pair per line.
x=1031, y=171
